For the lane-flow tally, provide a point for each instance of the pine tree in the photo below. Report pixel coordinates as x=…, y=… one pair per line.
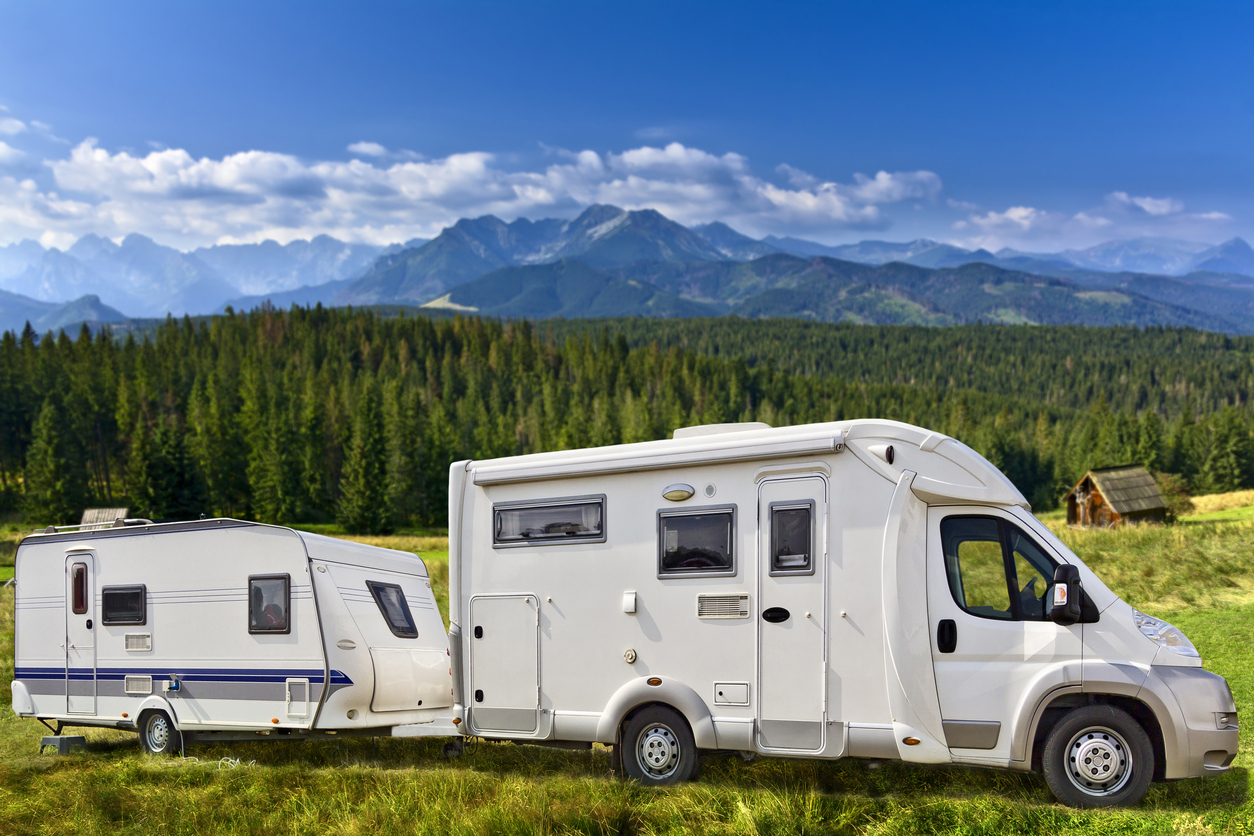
x=363, y=501
x=177, y=490
x=56, y=478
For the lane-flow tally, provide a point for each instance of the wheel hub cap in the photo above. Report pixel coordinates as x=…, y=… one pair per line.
x=1098, y=761
x=658, y=751
x=158, y=733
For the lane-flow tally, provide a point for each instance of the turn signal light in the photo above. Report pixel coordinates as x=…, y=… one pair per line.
x=653, y=680
x=910, y=741
x=124, y=714
x=274, y=719
x=457, y=721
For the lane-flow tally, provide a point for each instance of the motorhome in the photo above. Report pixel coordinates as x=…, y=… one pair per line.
x=226, y=629
x=850, y=589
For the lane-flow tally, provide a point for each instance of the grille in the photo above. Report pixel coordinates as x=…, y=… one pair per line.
x=723, y=606
x=139, y=641
x=138, y=685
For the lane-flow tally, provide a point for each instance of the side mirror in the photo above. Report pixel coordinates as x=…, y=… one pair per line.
x=1066, y=600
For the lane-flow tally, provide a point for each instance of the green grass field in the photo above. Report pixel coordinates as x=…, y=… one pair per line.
x=1199, y=575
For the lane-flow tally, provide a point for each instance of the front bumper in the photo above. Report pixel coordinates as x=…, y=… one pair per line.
x=1210, y=719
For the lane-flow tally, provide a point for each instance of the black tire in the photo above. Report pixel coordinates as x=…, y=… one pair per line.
x=658, y=748
x=158, y=734
x=1098, y=756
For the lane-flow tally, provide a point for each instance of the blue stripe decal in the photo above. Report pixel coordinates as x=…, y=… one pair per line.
x=192, y=675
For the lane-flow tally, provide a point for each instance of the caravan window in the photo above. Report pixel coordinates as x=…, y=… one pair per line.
x=124, y=605
x=269, y=603
x=792, y=538
x=395, y=609
x=78, y=584
x=697, y=541
x=995, y=570
x=576, y=520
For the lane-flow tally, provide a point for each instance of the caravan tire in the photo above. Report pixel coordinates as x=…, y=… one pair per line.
x=658, y=748
x=1098, y=756
x=157, y=733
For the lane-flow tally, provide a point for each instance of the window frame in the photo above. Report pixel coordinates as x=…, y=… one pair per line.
x=1008, y=567
x=734, y=552
x=586, y=499
x=375, y=587
x=287, y=609
x=790, y=505
x=78, y=589
x=130, y=622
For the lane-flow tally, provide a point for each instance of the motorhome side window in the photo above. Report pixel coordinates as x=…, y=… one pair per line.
x=994, y=569
x=395, y=609
x=124, y=605
x=792, y=538
x=549, y=521
x=698, y=541
x=269, y=604
x=78, y=583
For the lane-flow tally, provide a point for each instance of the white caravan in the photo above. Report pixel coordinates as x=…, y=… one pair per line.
x=858, y=588
x=227, y=629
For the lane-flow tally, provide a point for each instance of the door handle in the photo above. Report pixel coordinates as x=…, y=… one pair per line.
x=947, y=636
x=776, y=615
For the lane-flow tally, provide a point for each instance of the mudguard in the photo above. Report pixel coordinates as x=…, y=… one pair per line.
x=671, y=692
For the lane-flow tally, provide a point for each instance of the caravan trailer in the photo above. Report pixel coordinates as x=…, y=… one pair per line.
x=226, y=629
x=851, y=589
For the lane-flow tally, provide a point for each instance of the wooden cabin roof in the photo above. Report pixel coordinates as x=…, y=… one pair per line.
x=1127, y=489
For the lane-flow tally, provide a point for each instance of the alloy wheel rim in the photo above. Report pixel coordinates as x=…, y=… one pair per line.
x=1099, y=762
x=658, y=751
x=158, y=733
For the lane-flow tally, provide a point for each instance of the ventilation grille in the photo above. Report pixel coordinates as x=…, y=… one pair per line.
x=723, y=606
x=139, y=641
x=138, y=685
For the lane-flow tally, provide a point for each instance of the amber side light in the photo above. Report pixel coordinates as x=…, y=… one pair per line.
x=274, y=719
x=653, y=680
x=124, y=714
x=910, y=741
x=457, y=721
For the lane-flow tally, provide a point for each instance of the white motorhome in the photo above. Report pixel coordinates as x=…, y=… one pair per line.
x=857, y=588
x=227, y=629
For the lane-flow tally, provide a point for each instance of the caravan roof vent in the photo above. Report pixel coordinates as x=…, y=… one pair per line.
x=723, y=606
x=719, y=429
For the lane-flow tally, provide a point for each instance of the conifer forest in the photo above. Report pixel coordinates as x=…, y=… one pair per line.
x=353, y=415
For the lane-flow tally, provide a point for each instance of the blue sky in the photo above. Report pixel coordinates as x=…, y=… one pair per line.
x=1038, y=126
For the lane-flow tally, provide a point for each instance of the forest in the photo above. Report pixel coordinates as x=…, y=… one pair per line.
x=353, y=415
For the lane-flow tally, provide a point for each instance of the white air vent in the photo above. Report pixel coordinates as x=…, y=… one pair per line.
x=138, y=641
x=138, y=685
x=723, y=606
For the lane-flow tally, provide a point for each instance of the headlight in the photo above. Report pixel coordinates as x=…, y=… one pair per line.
x=1164, y=635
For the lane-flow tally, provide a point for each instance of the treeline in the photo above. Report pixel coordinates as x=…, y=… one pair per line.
x=314, y=415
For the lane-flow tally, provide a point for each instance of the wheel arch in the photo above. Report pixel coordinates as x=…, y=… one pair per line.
x=1057, y=705
x=638, y=693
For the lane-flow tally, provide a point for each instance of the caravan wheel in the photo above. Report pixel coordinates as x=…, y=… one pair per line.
x=658, y=747
x=157, y=733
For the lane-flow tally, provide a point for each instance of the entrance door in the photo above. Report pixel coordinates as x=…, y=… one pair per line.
x=80, y=634
x=792, y=613
x=504, y=692
x=988, y=594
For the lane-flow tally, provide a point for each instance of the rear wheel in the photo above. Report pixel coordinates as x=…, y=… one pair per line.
x=157, y=733
x=658, y=747
x=1098, y=756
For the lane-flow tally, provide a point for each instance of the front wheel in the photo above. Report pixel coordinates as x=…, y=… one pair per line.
x=1098, y=756
x=658, y=747
x=157, y=734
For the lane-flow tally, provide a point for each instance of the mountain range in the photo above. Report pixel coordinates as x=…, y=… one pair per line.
x=609, y=261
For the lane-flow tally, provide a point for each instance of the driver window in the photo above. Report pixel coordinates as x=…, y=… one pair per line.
x=1033, y=571
x=697, y=542
x=975, y=566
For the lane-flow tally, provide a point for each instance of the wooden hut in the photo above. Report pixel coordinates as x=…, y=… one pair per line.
x=1112, y=496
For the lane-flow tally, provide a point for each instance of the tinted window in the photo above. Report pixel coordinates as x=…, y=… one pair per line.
x=269, y=604
x=78, y=583
x=792, y=538
x=395, y=608
x=549, y=522
x=699, y=541
x=123, y=605
x=988, y=560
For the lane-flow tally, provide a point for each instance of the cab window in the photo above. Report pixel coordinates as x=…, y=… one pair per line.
x=994, y=569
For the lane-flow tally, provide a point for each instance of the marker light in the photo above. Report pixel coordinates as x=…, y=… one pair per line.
x=1164, y=634
x=1060, y=595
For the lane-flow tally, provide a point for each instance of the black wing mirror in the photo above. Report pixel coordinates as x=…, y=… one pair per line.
x=1067, y=595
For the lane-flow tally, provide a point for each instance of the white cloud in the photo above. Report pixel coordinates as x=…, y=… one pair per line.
x=1155, y=206
x=961, y=205
x=176, y=198
x=11, y=126
x=9, y=154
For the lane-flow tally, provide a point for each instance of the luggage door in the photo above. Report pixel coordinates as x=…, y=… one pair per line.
x=504, y=692
x=80, y=633
x=792, y=617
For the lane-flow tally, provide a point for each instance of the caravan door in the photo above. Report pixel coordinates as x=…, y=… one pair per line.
x=792, y=614
x=504, y=663
x=988, y=603
x=80, y=633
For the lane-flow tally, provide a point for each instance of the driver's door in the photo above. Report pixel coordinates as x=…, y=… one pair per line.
x=988, y=586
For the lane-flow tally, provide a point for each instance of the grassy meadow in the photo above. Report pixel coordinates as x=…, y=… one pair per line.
x=1198, y=574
